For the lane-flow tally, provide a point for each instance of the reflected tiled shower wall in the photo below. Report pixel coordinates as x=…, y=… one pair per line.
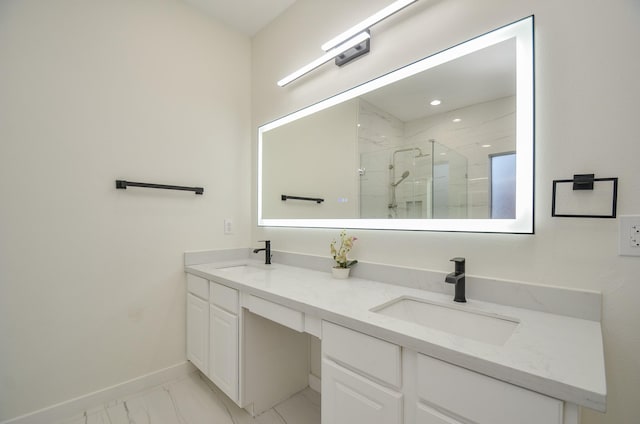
x=379, y=133
x=452, y=181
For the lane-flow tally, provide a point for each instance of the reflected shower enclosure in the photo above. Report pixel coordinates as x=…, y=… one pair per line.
x=425, y=181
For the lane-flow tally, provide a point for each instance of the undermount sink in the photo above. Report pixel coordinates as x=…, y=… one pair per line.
x=246, y=267
x=477, y=325
x=233, y=267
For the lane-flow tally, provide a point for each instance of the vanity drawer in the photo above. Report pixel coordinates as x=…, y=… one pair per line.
x=374, y=357
x=276, y=312
x=223, y=297
x=198, y=286
x=480, y=399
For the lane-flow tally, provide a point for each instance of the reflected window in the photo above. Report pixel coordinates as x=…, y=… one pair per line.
x=503, y=185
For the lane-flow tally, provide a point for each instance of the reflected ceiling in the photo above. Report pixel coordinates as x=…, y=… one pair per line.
x=476, y=78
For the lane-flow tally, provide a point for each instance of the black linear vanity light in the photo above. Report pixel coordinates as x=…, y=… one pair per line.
x=349, y=45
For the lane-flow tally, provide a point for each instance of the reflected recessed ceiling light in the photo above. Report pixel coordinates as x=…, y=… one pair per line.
x=435, y=102
x=486, y=145
x=457, y=119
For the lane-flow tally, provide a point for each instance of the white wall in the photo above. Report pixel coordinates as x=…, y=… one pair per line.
x=587, y=65
x=92, y=289
x=326, y=147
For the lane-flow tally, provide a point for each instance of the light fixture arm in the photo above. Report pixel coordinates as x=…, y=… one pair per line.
x=342, y=48
x=349, y=45
x=367, y=23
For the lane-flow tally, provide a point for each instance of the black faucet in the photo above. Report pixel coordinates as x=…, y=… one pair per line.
x=457, y=278
x=267, y=251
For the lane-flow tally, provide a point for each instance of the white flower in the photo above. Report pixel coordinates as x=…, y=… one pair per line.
x=340, y=254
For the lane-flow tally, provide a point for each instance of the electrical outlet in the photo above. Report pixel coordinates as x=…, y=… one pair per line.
x=228, y=226
x=635, y=236
x=629, y=235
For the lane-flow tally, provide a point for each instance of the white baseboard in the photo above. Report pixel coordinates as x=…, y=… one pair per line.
x=314, y=383
x=76, y=406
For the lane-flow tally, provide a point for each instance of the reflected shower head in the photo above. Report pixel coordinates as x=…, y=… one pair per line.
x=405, y=174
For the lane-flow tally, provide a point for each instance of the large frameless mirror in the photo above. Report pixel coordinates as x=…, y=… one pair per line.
x=443, y=144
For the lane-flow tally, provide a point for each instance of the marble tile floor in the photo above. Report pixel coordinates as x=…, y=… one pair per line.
x=191, y=400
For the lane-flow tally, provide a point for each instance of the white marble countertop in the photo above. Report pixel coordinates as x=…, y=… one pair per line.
x=555, y=355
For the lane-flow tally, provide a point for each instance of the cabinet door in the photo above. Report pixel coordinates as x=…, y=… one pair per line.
x=476, y=398
x=197, y=331
x=349, y=398
x=428, y=415
x=223, y=351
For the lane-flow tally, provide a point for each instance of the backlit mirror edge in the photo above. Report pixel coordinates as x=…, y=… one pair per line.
x=522, y=30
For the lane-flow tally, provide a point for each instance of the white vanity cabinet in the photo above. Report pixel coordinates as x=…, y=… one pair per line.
x=224, y=339
x=348, y=397
x=361, y=378
x=448, y=394
x=366, y=379
x=252, y=338
x=242, y=344
x=198, y=322
x=213, y=332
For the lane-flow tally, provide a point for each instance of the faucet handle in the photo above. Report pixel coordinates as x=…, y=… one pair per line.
x=459, y=264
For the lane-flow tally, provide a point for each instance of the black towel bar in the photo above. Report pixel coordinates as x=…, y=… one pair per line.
x=318, y=200
x=122, y=184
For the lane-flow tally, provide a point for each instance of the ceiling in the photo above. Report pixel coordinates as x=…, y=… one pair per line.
x=246, y=16
x=475, y=78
